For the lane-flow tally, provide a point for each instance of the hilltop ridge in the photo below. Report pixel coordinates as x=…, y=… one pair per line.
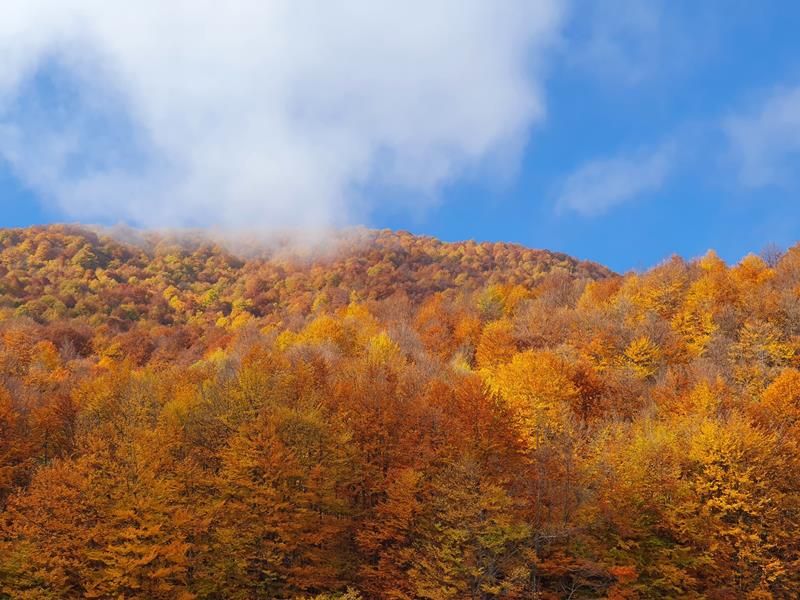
x=59, y=271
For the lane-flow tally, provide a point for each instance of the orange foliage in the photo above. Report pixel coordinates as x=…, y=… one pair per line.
x=394, y=417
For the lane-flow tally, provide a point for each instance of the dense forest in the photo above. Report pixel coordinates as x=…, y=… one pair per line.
x=379, y=415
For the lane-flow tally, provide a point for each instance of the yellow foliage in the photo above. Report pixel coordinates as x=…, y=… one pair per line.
x=537, y=388
x=784, y=390
x=706, y=399
x=600, y=293
x=758, y=353
x=752, y=272
x=325, y=328
x=361, y=324
x=659, y=290
x=781, y=399
x=696, y=327
x=382, y=348
x=46, y=355
x=712, y=263
x=643, y=356
x=286, y=339
x=240, y=320
x=177, y=304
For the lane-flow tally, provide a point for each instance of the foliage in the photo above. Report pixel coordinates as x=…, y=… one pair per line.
x=392, y=417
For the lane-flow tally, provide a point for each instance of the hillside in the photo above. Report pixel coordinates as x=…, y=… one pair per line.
x=382, y=415
x=57, y=272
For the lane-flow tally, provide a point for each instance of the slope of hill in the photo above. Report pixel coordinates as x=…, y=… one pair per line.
x=54, y=272
x=392, y=417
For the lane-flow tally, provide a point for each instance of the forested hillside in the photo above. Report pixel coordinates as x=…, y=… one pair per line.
x=380, y=415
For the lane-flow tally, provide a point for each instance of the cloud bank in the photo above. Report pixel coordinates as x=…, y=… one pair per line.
x=602, y=184
x=262, y=112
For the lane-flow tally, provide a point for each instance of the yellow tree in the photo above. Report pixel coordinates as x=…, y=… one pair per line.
x=743, y=510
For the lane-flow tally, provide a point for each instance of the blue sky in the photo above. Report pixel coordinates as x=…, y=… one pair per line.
x=658, y=128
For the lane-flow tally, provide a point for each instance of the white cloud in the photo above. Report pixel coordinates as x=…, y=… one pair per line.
x=602, y=184
x=765, y=139
x=261, y=112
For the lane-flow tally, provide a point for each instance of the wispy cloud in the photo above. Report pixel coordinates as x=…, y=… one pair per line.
x=749, y=149
x=617, y=39
x=262, y=113
x=630, y=45
x=766, y=138
x=602, y=184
